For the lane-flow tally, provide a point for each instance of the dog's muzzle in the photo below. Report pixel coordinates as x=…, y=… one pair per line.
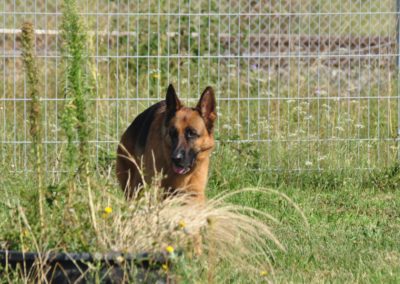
x=182, y=161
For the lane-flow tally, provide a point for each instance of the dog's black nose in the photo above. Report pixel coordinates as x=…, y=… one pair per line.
x=178, y=155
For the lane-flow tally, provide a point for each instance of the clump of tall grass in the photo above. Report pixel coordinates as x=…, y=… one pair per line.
x=35, y=116
x=230, y=236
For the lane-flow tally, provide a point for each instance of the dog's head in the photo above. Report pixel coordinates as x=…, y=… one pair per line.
x=189, y=131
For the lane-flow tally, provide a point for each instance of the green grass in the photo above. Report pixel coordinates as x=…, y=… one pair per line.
x=354, y=222
x=318, y=140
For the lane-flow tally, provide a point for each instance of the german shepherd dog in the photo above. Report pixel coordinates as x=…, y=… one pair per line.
x=173, y=139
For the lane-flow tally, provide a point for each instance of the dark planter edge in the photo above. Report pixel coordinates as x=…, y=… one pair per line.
x=111, y=257
x=65, y=267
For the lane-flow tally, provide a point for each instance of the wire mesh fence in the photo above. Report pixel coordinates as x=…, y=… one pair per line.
x=301, y=84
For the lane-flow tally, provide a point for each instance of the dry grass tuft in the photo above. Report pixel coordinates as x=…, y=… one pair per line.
x=231, y=235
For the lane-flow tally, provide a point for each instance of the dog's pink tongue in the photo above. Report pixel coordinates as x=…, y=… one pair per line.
x=179, y=170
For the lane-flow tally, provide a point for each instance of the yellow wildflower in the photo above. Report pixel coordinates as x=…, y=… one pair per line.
x=108, y=210
x=165, y=267
x=264, y=273
x=156, y=76
x=169, y=249
x=182, y=224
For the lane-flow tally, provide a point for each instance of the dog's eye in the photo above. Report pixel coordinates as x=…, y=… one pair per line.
x=173, y=133
x=190, y=133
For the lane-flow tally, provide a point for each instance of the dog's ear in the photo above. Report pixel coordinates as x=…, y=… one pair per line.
x=172, y=100
x=206, y=107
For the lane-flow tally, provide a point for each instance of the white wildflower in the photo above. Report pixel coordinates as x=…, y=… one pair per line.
x=227, y=126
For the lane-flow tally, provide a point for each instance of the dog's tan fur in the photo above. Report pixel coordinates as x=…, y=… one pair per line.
x=153, y=152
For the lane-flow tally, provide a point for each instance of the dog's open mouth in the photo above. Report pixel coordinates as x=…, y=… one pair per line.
x=180, y=170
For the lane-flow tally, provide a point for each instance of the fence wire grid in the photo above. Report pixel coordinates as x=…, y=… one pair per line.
x=300, y=84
